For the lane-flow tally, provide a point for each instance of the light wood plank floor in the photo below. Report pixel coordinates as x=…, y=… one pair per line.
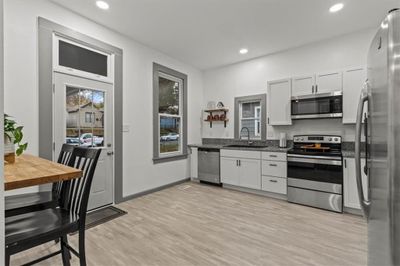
x=193, y=224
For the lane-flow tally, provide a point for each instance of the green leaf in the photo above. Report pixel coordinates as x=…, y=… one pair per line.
x=14, y=133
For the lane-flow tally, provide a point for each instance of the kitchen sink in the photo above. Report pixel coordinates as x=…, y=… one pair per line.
x=246, y=146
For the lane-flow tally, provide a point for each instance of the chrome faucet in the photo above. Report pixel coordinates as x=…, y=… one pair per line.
x=248, y=135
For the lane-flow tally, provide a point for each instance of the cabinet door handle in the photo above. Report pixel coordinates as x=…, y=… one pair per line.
x=272, y=164
x=237, y=162
x=268, y=120
x=316, y=88
x=240, y=163
x=273, y=181
x=312, y=88
x=345, y=163
x=273, y=156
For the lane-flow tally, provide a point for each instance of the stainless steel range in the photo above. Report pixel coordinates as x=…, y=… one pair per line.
x=315, y=172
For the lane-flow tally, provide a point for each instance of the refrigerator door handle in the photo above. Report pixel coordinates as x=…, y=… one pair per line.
x=363, y=201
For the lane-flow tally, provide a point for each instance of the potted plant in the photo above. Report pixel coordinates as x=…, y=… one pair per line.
x=13, y=136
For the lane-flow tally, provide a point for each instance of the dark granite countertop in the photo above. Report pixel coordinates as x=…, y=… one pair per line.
x=271, y=146
x=219, y=146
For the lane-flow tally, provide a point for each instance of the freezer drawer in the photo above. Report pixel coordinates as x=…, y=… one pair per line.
x=318, y=199
x=209, y=165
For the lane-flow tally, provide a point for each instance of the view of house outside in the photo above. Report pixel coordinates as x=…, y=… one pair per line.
x=84, y=117
x=169, y=115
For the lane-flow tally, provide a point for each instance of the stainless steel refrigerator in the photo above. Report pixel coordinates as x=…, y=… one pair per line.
x=381, y=131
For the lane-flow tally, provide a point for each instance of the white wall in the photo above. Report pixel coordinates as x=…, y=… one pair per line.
x=139, y=173
x=1, y=141
x=251, y=77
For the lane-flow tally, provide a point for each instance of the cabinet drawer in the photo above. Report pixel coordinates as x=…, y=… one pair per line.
x=274, y=184
x=274, y=156
x=274, y=168
x=241, y=154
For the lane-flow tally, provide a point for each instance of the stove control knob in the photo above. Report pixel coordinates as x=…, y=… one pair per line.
x=336, y=139
x=329, y=139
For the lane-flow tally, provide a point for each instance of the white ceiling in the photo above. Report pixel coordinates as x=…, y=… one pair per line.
x=209, y=33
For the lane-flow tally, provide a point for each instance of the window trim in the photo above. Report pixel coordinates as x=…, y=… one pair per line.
x=257, y=121
x=183, y=153
x=262, y=98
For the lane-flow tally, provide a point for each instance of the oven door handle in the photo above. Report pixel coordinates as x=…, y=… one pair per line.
x=314, y=157
x=365, y=204
x=314, y=161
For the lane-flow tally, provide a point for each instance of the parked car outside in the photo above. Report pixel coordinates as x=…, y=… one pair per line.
x=86, y=140
x=72, y=141
x=170, y=137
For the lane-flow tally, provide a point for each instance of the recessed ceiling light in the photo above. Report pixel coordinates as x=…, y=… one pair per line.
x=243, y=51
x=102, y=5
x=336, y=7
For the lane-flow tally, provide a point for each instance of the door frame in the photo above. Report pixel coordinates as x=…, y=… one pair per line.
x=46, y=30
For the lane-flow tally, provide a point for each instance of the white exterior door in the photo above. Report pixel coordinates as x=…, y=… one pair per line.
x=83, y=116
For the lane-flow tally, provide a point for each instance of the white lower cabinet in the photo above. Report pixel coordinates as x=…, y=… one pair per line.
x=274, y=172
x=229, y=171
x=274, y=168
x=274, y=184
x=250, y=173
x=350, y=190
x=241, y=171
x=194, y=163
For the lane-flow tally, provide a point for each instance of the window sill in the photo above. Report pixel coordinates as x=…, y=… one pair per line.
x=170, y=158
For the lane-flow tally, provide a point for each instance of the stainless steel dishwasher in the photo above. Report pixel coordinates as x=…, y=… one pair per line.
x=208, y=165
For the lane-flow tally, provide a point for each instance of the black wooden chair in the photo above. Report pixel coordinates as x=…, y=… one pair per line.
x=19, y=204
x=31, y=229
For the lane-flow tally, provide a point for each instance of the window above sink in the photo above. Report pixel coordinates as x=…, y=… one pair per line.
x=250, y=113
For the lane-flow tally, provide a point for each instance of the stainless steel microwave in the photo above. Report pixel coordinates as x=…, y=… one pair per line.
x=323, y=105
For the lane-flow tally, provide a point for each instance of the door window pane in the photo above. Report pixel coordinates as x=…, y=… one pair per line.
x=98, y=117
x=169, y=134
x=84, y=117
x=76, y=57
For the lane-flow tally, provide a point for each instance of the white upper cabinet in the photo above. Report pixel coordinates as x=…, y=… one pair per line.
x=328, y=82
x=315, y=84
x=303, y=85
x=278, y=102
x=353, y=82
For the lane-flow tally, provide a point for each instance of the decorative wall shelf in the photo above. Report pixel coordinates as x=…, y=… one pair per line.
x=213, y=112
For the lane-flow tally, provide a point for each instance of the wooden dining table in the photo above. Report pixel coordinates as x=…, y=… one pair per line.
x=29, y=170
